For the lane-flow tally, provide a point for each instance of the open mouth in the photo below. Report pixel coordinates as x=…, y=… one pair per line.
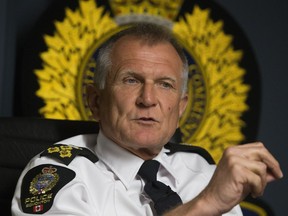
x=147, y=120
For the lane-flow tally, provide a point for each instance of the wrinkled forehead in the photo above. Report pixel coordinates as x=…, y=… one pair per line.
x=141, y=41
x=137, y=57
x=133, y=44
x=130, y=47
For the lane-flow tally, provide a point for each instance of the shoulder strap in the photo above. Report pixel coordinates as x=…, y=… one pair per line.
x=66, y=153
x=175, y=147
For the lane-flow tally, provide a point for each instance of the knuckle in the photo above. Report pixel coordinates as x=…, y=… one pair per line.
x=263, y=166
x=263, y=170
x=260, y=144
x=235, y=167
x=229, y=151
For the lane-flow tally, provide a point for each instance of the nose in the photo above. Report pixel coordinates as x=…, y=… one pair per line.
x=147, y=96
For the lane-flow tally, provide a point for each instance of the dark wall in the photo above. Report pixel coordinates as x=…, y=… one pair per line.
x=266, y=26
x=7, y=55
x=264, y=22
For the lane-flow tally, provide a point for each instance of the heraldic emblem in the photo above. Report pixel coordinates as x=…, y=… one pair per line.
x=217, y=91
x=40, y=186
x=44, y=181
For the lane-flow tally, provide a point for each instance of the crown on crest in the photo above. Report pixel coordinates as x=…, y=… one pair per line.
x=50, y=169
x=140, y=10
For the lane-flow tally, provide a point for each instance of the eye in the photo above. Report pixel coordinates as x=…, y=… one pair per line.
x=166, y=85
x=130, y=80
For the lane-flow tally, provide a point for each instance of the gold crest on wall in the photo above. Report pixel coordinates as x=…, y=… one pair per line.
x=217, y=89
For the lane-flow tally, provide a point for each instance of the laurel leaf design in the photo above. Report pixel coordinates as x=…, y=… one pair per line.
x=217, y=93
x=226, y=94
x=61, y=62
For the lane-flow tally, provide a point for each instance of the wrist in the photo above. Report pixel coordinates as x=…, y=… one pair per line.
x=199, y=206
x=204, y=206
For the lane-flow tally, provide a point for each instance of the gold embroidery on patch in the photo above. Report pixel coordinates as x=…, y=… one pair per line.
x=44, y=181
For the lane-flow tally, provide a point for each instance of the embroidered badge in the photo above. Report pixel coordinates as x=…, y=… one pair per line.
x=40, y=186
x=44, y=181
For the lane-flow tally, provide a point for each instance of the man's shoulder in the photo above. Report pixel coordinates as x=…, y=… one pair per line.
x=81, y=140
x=52, y=169
x=64, y=152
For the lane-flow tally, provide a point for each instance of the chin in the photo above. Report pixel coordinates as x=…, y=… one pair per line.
x=149, y=138
x=149, y=141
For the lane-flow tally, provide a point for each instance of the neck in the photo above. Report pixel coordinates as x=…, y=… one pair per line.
x=145, y=153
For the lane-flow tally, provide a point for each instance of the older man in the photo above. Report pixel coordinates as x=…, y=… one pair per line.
x=129, y=167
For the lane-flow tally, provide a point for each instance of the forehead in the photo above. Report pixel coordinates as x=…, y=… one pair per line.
x=130, y=48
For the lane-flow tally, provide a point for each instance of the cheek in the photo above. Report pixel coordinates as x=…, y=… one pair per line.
x=171, y=113
x=118, y=105
x=172, y=109
x=172, y=104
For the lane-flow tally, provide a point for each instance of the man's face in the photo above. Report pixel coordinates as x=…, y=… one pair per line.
x=142, y=101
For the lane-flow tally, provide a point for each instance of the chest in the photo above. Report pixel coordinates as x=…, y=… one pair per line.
x=110, y=196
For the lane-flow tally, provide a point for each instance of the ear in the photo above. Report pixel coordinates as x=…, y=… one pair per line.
x=93, y=95
x=182, y=106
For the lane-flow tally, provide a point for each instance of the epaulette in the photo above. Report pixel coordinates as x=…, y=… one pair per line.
x=66, y=153
x=175, y=147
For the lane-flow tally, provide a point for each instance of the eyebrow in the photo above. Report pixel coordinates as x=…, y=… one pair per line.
x=135, y=74
x=168, y=78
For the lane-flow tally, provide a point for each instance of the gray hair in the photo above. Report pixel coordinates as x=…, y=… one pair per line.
x=149, y=33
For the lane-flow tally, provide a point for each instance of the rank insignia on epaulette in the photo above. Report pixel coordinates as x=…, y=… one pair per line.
x=40, y=186
x=66, y=153
x=63, y=150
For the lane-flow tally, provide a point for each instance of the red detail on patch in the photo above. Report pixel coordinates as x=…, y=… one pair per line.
x=38, y=208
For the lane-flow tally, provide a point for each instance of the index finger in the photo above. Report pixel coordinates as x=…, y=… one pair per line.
x=257, y=151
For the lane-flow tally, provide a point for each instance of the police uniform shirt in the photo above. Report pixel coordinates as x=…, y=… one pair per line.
x=110, y=186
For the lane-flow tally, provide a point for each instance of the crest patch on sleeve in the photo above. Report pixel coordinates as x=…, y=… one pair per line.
x=40, y=186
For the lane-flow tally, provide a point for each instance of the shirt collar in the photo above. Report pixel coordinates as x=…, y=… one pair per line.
x=167, y=165
x=124, y=164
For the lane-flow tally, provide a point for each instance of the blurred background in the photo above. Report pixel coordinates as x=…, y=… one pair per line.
x=265, y=24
